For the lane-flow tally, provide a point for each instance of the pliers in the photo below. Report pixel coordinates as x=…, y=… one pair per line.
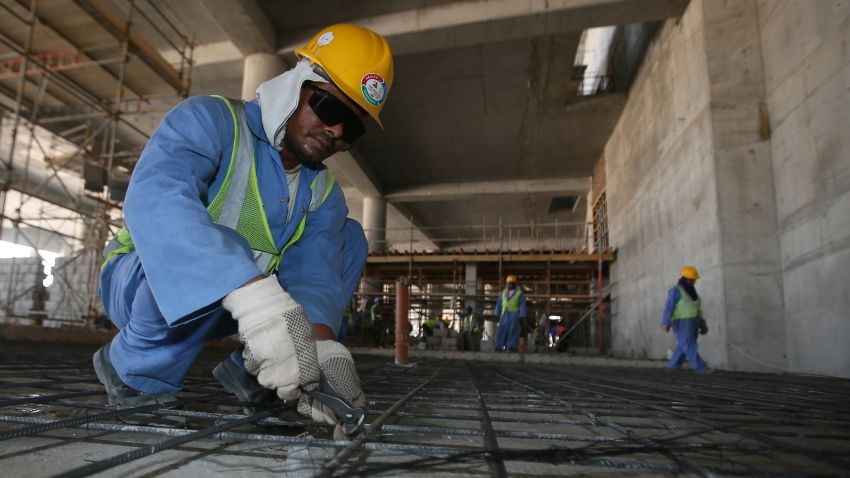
x=351, y=417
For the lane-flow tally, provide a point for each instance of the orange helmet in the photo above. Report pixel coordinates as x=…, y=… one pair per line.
x=689, y=272
x=357, y=60
x=511, y=278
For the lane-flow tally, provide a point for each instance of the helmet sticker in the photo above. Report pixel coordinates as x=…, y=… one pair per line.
x=326, y=38
x=374, y=88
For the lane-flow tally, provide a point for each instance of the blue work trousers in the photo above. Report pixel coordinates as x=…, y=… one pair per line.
x=686, y=331
x=152, y=357
x=507, y=336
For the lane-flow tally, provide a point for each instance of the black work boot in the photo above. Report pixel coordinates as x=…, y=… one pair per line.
x=121, y=395
x=239, y=382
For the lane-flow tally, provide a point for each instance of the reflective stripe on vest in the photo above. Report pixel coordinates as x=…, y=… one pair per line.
x=686, y=307
x=229, y=207
x=512, y=304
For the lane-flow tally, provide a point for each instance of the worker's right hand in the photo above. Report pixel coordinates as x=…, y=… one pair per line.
x=336, y=363
x=665, y=328
x=279, y=346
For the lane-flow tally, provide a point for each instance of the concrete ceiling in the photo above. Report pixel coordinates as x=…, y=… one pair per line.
x=482, y=120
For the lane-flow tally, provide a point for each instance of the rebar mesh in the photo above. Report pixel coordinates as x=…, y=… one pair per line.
x=446, y=418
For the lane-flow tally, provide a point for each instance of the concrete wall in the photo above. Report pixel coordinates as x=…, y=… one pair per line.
x=732, y=155
x=806, y=61
x=662, y=199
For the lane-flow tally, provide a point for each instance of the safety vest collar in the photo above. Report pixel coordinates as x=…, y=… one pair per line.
x=255, y=120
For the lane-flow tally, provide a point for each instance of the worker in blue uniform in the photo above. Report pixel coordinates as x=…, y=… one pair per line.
x=683, y=313
x=234, y=225
x=511, y=309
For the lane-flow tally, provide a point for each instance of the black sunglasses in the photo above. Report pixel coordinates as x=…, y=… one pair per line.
x=332, y=112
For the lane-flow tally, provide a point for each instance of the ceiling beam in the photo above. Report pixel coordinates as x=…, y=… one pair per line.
x=351, y=173
x=473, y=190
x=67, y=39
x=455, y=24
x=245, y=23
x=103, y=13
x=356, y=179
x=475, y=22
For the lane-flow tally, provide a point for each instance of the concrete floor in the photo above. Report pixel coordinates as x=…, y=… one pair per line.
x=448, y=418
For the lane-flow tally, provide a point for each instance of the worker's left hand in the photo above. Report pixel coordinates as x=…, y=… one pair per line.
x=338, y=367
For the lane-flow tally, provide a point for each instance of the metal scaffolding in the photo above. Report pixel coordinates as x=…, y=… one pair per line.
x=441, y=417
x=568, y=286
x=68, y=139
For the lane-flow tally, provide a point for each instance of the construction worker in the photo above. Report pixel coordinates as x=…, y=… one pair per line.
x=234, y=225
x=432, y=324
x=683, y=312
x=511, y=309
x=376, y=321
x=471, y=330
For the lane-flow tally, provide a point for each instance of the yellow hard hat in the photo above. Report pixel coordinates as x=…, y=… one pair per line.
x=689, y=272
x=357, y=60
x=511, y=278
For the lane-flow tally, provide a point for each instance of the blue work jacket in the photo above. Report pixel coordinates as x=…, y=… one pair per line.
x=190, y=262
x=685, y=329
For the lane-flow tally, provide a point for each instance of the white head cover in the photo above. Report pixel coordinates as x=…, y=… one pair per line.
x=279, y=96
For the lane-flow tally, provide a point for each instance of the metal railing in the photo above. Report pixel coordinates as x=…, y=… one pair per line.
x=570, y=236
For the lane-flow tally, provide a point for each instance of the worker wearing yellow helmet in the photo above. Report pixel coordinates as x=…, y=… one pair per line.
x=683, y=313
x=217, y=211
x=511, y=309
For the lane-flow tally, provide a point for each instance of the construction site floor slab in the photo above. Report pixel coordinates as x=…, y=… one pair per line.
x=440, y=417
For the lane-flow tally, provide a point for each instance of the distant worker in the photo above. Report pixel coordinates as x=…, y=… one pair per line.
x=233, y=225
x=683, y=312
x=432, y=324
x=552, y=323
x=376, y=319
x=471, y=330
x=511, y=309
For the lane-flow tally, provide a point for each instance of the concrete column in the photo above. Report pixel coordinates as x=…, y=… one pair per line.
x=746, y=196
x=375, y=223
x=472, y=285
x=259, y=67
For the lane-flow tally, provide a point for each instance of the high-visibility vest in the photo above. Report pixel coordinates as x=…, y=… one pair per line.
x=511, y=304
x=470, y=324
x=686, y=307
x=238, y=204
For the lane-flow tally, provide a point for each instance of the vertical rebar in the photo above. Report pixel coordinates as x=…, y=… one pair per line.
x=557, y=237
x=500, y=252
x=410, y=260
x=548, y=288
x=484, y=233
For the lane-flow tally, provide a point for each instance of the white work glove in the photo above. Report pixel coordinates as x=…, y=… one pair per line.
x=336, y=363
x=279, y=346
